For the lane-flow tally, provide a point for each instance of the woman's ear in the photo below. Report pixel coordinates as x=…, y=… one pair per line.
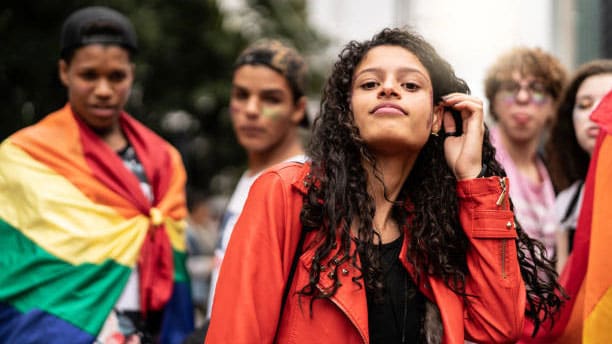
x=436, y=120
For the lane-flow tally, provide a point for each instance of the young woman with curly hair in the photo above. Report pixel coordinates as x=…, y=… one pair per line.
x=571, y=144
x=398, y=230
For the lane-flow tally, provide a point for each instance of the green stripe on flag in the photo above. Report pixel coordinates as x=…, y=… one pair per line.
x=180, y=268
x=31, y=278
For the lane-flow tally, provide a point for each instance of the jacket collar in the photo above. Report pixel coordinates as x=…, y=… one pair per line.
x=300, y=181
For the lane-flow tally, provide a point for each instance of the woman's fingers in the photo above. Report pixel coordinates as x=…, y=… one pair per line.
x=464, y=152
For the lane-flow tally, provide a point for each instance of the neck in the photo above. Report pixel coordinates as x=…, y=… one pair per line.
x=113, y=137
x=524, y=154
x=258, y=161
x=393, y=173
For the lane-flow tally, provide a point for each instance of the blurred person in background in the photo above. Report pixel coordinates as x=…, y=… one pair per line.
x=570, y=146
x=398, y=230
x=92, y=205
x=267, y=108
x=523, y=86
x=202, y=229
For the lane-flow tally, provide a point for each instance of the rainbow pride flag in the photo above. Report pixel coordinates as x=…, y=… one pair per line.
x=587, y=276
x=74, y=223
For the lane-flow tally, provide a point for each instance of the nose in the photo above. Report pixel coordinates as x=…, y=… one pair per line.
x=252, y=106
x=523, y=95
x=388, y=89
x=103, y=89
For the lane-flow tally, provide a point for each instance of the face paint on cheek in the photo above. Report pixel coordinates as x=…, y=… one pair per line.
x=270, y=113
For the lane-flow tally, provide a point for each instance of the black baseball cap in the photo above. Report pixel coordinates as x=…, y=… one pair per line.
x=97, y=25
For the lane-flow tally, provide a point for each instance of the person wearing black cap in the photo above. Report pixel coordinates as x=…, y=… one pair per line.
x=268, y=108
x=96, y=210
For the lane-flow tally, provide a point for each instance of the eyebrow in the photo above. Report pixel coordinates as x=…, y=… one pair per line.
x=402, y=70
x=263, y=91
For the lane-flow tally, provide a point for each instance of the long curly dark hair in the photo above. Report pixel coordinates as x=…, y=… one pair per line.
x=339, y=179
x=567, y=160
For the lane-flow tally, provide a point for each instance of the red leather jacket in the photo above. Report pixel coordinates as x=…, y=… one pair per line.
x=246, y=306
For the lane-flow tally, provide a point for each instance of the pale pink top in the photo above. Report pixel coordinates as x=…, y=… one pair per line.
x=533, y=202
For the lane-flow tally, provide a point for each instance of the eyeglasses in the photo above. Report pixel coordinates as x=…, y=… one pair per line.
x=536, y=91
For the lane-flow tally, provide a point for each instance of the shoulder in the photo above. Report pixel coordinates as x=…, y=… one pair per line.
x=51, y=128
x=291, y=175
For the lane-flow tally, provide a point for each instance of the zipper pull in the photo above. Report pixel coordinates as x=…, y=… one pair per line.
x=502, y=196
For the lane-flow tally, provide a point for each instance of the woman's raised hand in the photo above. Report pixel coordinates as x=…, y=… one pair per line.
x=464, y=152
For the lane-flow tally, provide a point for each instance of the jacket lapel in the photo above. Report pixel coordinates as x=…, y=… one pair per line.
x=350, y=297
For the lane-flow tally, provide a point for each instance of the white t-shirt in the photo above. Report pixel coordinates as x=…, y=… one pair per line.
x=228, y=221
x=563, y=202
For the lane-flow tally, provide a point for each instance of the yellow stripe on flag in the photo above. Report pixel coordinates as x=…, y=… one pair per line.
x=176, y=233
x=597, y=325
x=59, y=218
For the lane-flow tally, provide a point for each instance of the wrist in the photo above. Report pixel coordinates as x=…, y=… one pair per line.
x=481, y=174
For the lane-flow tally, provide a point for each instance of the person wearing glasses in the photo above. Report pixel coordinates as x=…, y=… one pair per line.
x=523, y=86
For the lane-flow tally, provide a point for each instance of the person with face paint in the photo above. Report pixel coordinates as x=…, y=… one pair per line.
x=91, y=208
x=398, y=229
x=570, y=146
x=523, y=86
x=267, y=108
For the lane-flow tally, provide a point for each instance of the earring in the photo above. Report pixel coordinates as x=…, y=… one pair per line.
x=435, y=133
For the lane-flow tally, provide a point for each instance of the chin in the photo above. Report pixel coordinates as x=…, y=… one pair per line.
x=390, y=146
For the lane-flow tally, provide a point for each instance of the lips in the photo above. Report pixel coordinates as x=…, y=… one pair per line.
x=593, y=131
x=103, y=111
x=250, y=130
x=388, y=109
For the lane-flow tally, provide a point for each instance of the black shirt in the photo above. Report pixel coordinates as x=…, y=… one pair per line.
x=398, y=317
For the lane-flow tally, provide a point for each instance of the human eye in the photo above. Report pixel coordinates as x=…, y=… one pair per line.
x=88, y=74
x=411, y=86
x=368, y=85
x=117, y=76
x=537, y=87
x=240, y=94
x=271, y=99
x=509, y=86
x=539, y=92
x=584, y=103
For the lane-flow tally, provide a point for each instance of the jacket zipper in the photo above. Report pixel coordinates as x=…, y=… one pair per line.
x=499, y=203
x=502, y=196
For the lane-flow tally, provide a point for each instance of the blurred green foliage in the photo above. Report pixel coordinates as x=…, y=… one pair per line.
x=187, y=48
